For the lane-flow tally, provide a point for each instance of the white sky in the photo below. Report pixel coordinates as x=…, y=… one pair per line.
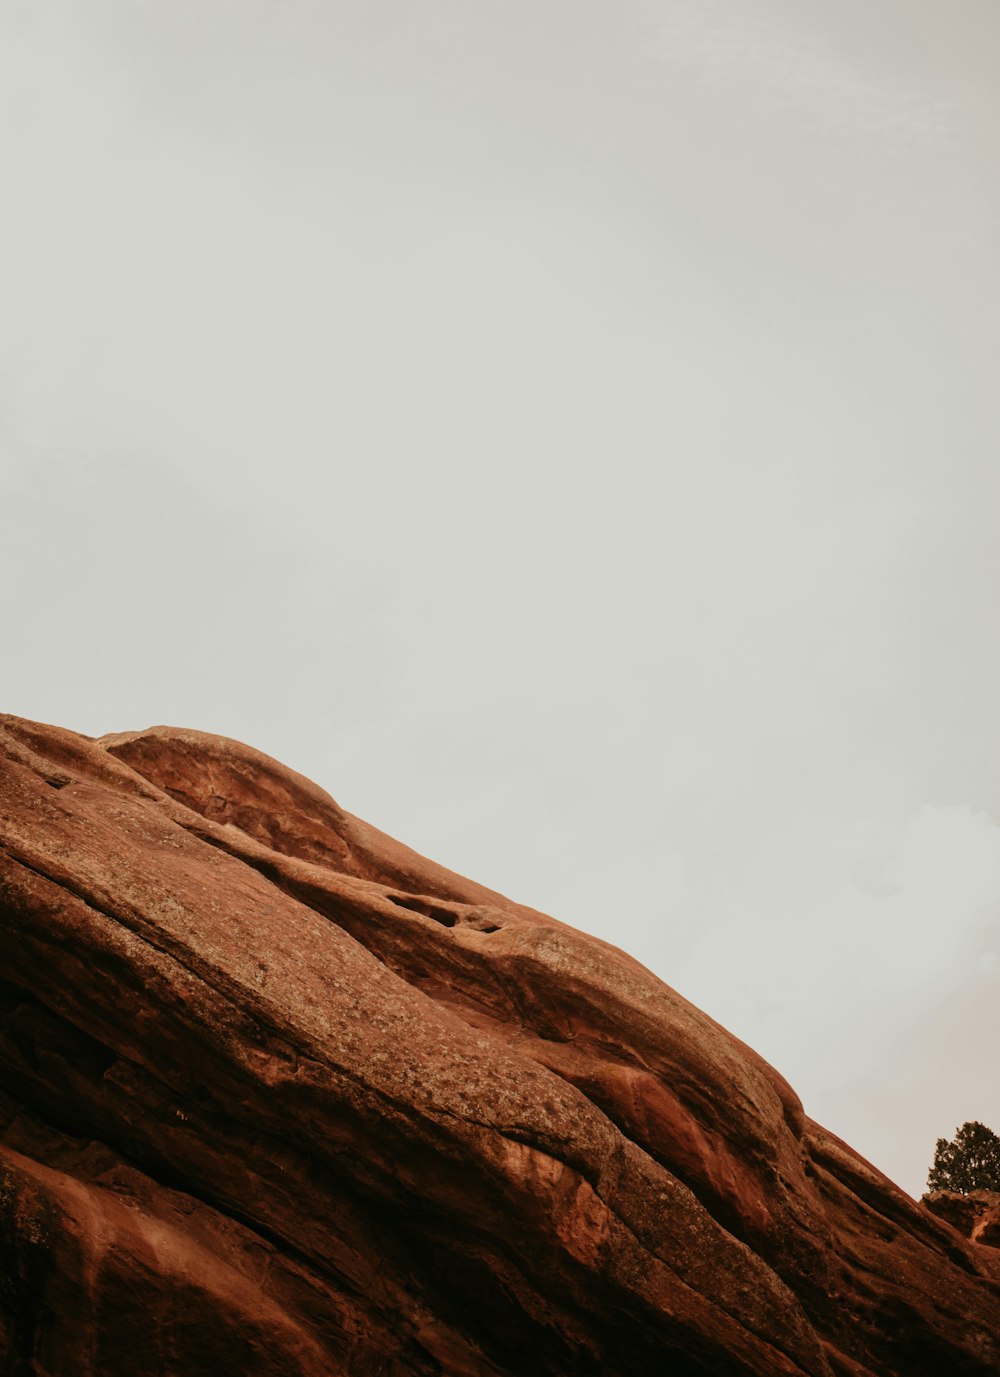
x=568, y=431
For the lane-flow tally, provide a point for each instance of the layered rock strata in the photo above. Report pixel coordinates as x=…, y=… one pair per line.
x=278, y=1096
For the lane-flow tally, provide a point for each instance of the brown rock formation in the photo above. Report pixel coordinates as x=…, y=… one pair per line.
x=280, y=1096
x=976, y=1214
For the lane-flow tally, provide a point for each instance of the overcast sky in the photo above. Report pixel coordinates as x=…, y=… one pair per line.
x=567, y=431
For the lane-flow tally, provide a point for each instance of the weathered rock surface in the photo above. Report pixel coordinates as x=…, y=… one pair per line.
x=976, y=1214
x=280, y=1096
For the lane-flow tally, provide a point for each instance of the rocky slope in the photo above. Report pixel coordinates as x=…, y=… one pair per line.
x=280, y=1096
x=976, y=1215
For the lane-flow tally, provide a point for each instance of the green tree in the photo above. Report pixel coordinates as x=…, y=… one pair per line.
x=970, y=1162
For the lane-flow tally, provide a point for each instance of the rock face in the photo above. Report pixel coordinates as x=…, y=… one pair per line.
x=976, y=1214
x=279, y=1097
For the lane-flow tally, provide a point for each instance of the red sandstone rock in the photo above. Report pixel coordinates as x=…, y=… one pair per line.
x=975, y=1214
x=280, y=1096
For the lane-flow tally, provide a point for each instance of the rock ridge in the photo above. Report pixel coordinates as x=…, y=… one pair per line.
x=281, y=1096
